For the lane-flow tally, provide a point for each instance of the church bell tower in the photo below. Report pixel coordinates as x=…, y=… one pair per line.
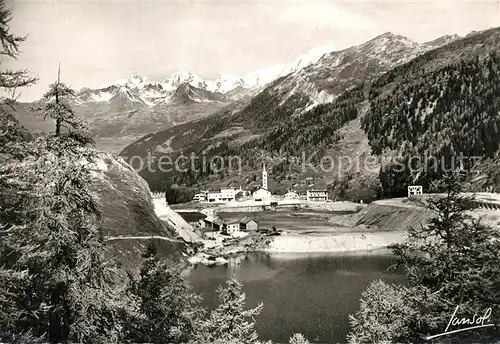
x=264, y=177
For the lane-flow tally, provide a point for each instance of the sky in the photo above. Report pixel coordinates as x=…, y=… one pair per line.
x=99, y=42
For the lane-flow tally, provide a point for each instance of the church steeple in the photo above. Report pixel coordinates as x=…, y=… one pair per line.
x=264, y=177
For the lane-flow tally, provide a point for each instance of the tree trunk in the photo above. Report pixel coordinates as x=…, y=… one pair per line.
x=58, y=126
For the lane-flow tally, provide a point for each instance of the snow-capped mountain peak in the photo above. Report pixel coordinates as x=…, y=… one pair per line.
x=264, y=76
x=388, y=40
x=134, y=82
x=387, y=49
x=225, y=83
x=312, y=56
x=139, y=89
x=180, y=77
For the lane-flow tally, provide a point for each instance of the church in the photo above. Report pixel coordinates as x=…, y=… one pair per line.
x=263, y=193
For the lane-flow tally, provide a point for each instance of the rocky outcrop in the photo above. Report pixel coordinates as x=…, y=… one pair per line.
x=129, y=221
x=126, y=204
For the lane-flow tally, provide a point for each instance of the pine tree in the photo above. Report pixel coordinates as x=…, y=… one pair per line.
x=384, y=316
x=230, y=322
x=298, y=338
x=459, y=260
x=57, y=284
x=10, y=80
x=55, y=105
x=169, y=310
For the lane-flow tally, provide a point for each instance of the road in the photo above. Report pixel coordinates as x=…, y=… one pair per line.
x=142, y=238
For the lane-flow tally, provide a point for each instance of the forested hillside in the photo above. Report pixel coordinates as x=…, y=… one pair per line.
x=297, y=114
x=438, y=112
x=315, y=129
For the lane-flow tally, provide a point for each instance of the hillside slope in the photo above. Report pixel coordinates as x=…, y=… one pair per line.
x=437, y=113
x=124, y=199
x=116, y=125
x=298, y=113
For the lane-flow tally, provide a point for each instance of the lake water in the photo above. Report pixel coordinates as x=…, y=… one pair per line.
x=311, y=294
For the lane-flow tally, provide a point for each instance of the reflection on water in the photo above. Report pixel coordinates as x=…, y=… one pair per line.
x=311, y=294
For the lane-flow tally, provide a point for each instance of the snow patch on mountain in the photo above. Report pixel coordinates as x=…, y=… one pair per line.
x=312, y=56
x=180, y=77
x=225, y=83
x=101, y=96
x=140, y=89
x=322, y=80
x=387, y=49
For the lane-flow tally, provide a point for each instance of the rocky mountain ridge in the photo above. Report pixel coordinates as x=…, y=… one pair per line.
x=340, y=107
x=140, y=90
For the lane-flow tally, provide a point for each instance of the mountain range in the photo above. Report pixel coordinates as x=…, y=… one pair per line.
x=316, y=108
x=128, y=109
x=185, y=85
x=389, y=97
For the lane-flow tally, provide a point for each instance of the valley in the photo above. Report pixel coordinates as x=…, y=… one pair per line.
x=354, y=189
x=326, y=125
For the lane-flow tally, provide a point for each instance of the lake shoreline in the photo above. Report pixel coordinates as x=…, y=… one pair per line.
x=300, y=245
x=323, y=288
x=304, y=231
x=335, y=242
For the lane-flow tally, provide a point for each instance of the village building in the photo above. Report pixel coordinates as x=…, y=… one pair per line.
x=222, y=195
x=291, y=195
x=247, y=224
x=213, y=224
x=231, y=227
x=201, y=197
x=415, y=190
x=317, y=195
x=262, y=194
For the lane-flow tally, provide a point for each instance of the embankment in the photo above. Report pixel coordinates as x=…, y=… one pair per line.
x=342, y=242
x=376, y=226
x=176, y=221
x=382, y=217
x=254, y=206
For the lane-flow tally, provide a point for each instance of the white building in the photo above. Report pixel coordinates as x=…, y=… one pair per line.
x=222, y=195
x=415, y=190
x=200, y=197
x=262, y=194
x=291, y=195
x=317, y=195
x=231, y=227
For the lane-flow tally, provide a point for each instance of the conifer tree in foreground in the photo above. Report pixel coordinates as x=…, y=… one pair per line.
x=460, y=260
x=452, y=260
x=169, y=312
x=230, y=322
x=55, y=283
x=298, y=338
x=10, y=79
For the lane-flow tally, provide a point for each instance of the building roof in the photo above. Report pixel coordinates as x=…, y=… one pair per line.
x=246, y=220
x=261, y=190
x=213, y=220
x=233, y=223
x=209, y=219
